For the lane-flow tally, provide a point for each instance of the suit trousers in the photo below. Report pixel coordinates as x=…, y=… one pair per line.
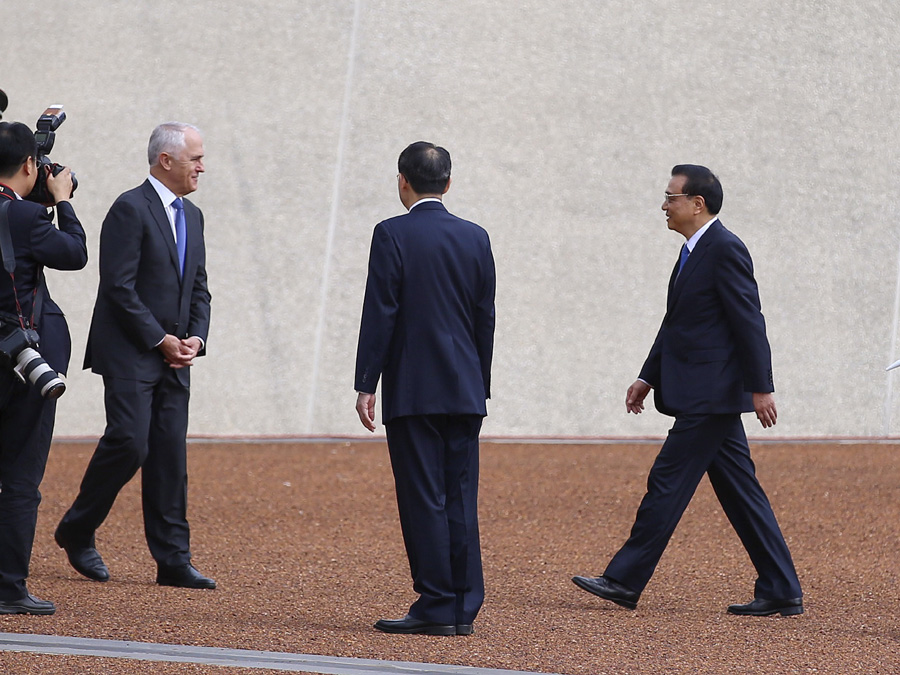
x=715, y=445
x=434, y=459
x=26, y=429
x=146, y=428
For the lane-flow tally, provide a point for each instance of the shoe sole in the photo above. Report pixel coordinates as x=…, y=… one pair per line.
x=206, y=587
x=425, y=630
x=784, y=611
x=23, y=610
x=627, y=604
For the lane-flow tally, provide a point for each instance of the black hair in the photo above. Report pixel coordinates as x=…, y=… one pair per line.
x=701, y=182
x=426, y=166
x=17, y=144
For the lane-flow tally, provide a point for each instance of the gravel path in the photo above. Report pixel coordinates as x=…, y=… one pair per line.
x=304, y=542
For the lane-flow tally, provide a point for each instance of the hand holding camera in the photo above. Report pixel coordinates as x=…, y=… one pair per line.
x=44, y=191
x=60, y=186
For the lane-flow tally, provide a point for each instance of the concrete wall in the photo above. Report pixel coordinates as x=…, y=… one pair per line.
x=563, y=119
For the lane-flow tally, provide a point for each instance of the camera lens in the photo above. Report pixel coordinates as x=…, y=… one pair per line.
x=32, y=366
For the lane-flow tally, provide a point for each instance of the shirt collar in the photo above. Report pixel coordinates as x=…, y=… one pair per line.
x=423, y=200
x=166, y=196
x=692, y=242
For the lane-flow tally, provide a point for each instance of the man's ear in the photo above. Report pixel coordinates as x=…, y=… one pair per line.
x=699, y=203
x=447, y=186
x=165, y=160
x=30, y=166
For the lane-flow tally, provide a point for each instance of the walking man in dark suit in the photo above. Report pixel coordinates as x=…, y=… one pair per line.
x=427, y=331
x=150, y=322
x=26, y=418
x=710, y=362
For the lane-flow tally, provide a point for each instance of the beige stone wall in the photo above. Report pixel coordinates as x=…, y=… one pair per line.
x=563, y=119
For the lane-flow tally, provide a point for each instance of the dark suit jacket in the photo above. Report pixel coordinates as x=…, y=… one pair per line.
x=38, y=243
x=142, y=296
x=711, y=352
x=428, y=316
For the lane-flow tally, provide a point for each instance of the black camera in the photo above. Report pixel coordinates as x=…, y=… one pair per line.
x=45, y=135
x=18, y=349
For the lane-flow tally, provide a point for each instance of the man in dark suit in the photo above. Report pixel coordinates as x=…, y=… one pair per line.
x=427, y=330
x=26, y=418
x=710, y=362
x=150, y=321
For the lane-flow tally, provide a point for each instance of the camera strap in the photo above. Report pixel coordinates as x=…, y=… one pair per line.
x=9, y=263
x=9, y=257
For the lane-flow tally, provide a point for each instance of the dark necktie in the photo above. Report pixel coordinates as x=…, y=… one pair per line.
x=685, y=252
x=180, y=232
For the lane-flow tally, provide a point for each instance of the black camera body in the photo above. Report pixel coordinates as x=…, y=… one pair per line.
x=44, y=136
x=18, y=348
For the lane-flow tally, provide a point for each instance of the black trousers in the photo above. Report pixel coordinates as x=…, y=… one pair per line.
x=715, y=445
x=146, y=428
x=26, y=429
x=435, y=463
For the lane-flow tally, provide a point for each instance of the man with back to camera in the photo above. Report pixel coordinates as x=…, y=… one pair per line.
x=427, y=330
x=26, y=418
x=709, y=363
x=150, y=322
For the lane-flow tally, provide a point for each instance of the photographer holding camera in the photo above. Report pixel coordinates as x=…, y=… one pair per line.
x=26, y=417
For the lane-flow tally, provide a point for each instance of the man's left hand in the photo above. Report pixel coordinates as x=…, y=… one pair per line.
x=764, y=404
x=192, y=347
x=180, y=353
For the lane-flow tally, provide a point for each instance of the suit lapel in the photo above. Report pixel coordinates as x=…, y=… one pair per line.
x=695, y=259
x=158, y=211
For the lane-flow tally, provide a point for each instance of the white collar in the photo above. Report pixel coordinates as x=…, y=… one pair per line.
x=166, y=196
x=692, y=242
x=425, y=199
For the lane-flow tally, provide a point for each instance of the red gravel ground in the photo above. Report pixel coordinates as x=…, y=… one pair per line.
x=304, y=542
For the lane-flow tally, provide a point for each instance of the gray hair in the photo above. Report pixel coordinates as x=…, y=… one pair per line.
x=167, y=137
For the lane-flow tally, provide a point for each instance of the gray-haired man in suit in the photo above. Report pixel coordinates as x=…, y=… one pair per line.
x=150, y=322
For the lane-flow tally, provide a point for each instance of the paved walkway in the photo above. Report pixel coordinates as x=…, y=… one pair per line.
x=214, y=656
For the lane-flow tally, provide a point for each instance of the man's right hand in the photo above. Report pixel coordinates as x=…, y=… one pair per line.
x=365, y=408
x=634, y=398
x=60, y=185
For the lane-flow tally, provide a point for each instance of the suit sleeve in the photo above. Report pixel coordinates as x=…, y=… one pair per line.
x=120, y=255
x=60, y=249
x=198, y=324
x=380, y=306
x=485, y=319
x=650, y=372
x=740, y=299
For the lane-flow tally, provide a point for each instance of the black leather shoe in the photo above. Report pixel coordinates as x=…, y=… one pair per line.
x=464, y=629
x=608, y=590
x=183, y=576
x=27, y=605
x=410, y=626
x=85, y=559
x=763, y=607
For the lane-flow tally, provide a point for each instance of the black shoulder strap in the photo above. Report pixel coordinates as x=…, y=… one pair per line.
x=9, y=256
x=9, y=263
